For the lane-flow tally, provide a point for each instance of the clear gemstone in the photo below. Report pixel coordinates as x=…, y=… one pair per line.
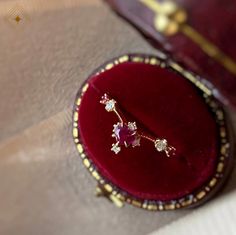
x=132, y=126
x=110, y=105
x=161, y=144
x=115, y=148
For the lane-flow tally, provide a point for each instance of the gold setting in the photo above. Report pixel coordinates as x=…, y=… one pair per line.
x=117, y=196
x=111, y=105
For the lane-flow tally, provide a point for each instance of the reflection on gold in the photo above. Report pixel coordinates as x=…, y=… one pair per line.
x=171, y=19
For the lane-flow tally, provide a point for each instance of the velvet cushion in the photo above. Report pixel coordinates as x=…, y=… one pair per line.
x=164, y=104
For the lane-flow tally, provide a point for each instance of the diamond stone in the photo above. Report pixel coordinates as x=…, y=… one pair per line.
x=115, y=148
x=110, y=105
x=161, y=145
x=132, y=126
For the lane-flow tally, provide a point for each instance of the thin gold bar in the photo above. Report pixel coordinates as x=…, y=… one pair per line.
x=209, y=48
x=154, y=5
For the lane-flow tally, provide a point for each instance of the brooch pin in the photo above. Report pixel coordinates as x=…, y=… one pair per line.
x=127, y=134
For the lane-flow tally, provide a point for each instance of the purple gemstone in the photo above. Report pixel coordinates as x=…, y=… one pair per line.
x=125, y=135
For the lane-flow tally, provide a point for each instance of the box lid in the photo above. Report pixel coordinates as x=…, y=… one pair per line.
x=199, y=36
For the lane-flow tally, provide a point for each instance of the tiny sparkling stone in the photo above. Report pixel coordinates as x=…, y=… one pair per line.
x=161, y=145
x=132, y=126
x=110, y=105
x=115, y=148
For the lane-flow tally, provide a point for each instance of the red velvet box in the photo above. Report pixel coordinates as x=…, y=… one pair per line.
x=178, y=95
x=166, y=100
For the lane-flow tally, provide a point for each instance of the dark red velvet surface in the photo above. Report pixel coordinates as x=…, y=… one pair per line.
x=168, y=106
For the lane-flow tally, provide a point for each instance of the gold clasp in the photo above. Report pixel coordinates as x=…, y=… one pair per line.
x=169, y=16
x=104, y=191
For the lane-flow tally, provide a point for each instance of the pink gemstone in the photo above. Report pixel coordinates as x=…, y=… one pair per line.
x=125, y=135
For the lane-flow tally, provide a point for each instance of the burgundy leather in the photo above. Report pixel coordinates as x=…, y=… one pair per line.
x=214, y=19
